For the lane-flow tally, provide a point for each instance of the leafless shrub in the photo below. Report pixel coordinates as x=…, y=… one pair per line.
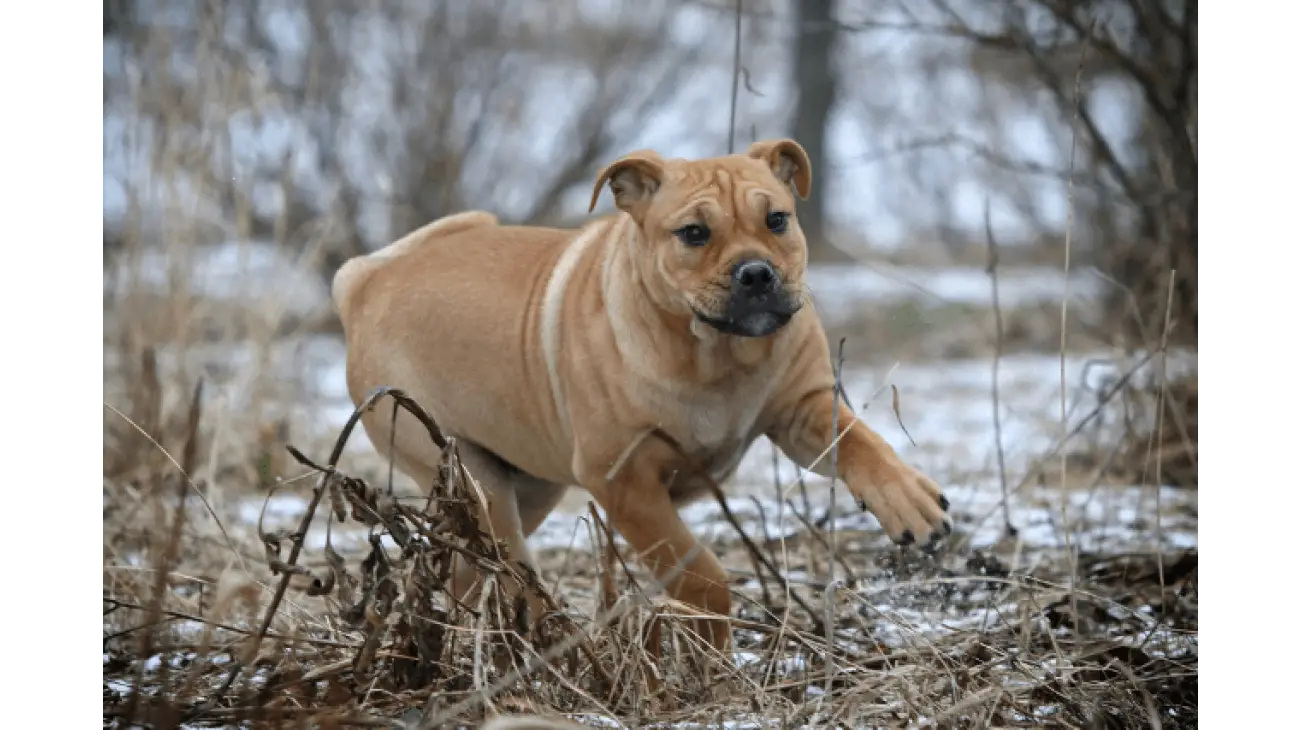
x=384, y=116
x=1145, y=197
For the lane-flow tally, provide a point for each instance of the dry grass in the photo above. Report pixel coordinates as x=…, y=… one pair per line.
x=916, y=330
x=215, y=628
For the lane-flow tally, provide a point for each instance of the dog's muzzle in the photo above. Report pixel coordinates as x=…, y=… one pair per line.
x=758, y=306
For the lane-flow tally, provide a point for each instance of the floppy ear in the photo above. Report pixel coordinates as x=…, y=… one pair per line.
x=633, y=180
x=788, y=161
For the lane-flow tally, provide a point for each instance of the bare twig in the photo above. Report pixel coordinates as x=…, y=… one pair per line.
x=897, y=406
x=829, y=626
x=183, y=616
x=837, y=556
x=767, y=539
x=1008, y=528
x=1161, y=404
x=1065, y=303
x=735, y=82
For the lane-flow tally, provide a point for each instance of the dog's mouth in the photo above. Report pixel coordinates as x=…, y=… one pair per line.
x=753, y=317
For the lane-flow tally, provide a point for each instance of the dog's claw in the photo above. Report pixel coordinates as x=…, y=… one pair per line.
x=862, y=504
x=907, y=538
x=943, y=503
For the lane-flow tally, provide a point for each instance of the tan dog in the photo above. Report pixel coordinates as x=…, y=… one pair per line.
x=551, y=353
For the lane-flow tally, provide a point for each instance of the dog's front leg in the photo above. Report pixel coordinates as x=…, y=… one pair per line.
x=908, y=504
x=636, y=500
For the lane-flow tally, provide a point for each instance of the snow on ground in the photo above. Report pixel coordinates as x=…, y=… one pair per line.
x=235, y=272
x=840, y=292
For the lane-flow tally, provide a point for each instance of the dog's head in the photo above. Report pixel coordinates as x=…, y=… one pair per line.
x=719, y=237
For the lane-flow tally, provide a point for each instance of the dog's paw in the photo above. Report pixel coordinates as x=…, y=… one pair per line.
x=910, y=506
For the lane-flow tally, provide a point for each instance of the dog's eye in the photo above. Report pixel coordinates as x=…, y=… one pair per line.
x=693, y=235
x=777, y=221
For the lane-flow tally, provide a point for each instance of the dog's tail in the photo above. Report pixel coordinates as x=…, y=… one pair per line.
x=356, y=270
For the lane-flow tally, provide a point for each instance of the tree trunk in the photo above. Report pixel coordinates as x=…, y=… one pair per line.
x=814, y=76
x=119, y=15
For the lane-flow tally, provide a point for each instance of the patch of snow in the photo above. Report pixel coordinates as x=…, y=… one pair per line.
x=236, y=271
x=840, y=290
x=277, y=506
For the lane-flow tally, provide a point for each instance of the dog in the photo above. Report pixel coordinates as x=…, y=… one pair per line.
x=551, y=354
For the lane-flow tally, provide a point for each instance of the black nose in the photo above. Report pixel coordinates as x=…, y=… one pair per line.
x=755, y=277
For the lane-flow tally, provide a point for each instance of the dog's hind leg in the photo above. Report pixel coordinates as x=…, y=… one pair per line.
x=517, y=504
x=537, y=499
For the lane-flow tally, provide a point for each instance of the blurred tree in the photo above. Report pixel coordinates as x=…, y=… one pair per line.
x=1137, y=196
x=332, y=127
x=816, y=81
x=118, y=16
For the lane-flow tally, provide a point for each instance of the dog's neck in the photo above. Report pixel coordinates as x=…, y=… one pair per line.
x=652, y=329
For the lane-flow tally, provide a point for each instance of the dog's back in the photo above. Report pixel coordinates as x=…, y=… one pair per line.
x=354, y=272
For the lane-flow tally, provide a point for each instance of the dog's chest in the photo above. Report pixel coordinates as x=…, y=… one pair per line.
x=715, y=427
x=714, y=421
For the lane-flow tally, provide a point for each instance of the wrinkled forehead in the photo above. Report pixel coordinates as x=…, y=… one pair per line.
x=734, y=185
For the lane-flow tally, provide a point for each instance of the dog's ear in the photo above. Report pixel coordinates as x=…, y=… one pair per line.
x=633, y=180
x=788, y=161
